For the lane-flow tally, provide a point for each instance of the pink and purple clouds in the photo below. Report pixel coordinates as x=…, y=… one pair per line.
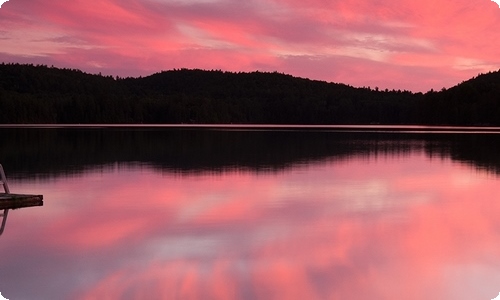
x=414, y=45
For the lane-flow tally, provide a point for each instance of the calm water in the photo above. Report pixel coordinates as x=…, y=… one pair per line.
x=164, y=213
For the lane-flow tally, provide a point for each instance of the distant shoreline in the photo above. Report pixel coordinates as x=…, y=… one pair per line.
x=362, y=128
x=42, y=95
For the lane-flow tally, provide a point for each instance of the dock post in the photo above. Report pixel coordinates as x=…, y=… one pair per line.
x=4, y=220
x=3, y=180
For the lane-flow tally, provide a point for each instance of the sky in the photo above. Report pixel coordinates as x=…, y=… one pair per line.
x=394, y=44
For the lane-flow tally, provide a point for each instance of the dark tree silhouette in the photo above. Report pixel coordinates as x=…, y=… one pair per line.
x=41, y=94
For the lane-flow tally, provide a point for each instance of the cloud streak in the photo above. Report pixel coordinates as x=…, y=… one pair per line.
x=395, y=44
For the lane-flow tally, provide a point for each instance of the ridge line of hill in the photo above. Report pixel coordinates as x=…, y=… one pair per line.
x=41, y=94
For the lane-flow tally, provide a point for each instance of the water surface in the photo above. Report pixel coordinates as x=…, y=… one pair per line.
x=203, y=213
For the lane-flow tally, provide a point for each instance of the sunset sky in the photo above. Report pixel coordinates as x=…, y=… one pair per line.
x=395, y=44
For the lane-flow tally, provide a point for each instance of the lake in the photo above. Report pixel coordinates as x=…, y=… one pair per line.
x=252, y=213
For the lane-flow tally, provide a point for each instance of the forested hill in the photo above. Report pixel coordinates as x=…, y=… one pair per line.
x=41, y=94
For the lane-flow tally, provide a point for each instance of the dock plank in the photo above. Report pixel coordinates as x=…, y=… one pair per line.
x=19, y=200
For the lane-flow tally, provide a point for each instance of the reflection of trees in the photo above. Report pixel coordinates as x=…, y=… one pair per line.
x=54, y=151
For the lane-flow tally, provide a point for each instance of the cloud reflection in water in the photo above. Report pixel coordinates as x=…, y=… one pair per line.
x=393, y=227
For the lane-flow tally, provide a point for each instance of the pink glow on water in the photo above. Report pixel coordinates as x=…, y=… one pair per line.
x=363, y=228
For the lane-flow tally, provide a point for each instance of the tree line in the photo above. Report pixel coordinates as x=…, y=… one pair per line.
x=42, y=94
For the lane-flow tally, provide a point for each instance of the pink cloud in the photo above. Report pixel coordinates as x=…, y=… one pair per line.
x=414, y=45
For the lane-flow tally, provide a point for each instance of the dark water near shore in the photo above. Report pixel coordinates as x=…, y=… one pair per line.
x=252, y=213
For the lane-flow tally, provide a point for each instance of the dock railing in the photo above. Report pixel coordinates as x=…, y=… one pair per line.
x=3, y=180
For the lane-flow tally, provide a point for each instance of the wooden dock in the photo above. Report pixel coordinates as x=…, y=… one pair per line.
x=8, y=200
x=12, y=201
x=18, y=201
